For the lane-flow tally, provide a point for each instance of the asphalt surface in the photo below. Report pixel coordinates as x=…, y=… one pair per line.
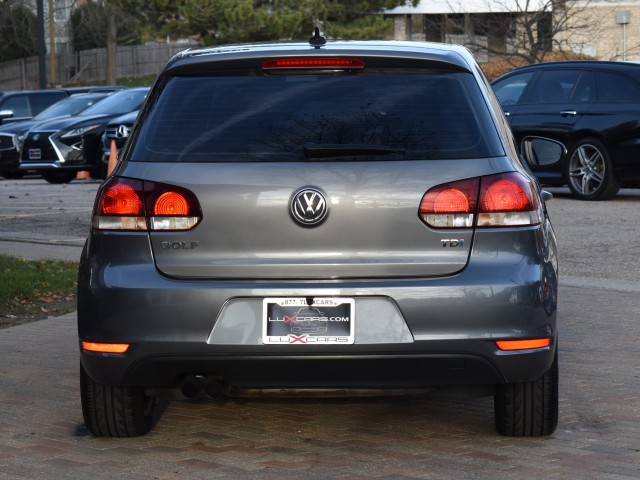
x=598, y=437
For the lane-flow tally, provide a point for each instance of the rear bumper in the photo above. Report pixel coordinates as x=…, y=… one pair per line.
x=298, y=370
x=505, y=292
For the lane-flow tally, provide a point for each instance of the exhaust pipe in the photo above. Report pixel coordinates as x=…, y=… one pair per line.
x=214, y=388
x=193, y=386
x=197, y=385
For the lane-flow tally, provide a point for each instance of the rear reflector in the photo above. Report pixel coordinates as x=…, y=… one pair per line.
x=487, y=202
x=508, y=345
x=313, y=63
x=129, y=204
x=105, y=347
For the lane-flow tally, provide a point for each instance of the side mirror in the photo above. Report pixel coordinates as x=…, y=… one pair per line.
x=539, y=151
x=5, y=114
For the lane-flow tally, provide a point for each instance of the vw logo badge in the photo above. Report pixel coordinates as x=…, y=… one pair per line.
x=309, y=207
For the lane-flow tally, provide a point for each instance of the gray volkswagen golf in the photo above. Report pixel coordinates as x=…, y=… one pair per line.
x=368, y=189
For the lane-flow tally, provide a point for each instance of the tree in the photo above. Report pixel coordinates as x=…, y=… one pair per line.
x=106, y=23
x=230, y=21
x=525, y=31
x=18, y=31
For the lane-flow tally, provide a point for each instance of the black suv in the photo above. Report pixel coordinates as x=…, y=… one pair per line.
x=19, y=105
x=592, y=108
x=58, y=149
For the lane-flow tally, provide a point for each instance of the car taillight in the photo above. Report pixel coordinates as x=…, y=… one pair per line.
x=451, y=205
x=128, y=204
x=494, y=201
x=507, y=200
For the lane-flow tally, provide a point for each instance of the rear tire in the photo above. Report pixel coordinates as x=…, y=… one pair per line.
x=528, y=409
x=113, y=411
x=58, y=177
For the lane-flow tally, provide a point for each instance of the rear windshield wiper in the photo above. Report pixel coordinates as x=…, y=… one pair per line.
x=328, y=150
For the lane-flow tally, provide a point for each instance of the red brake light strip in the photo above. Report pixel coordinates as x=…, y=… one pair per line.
x=313, y=63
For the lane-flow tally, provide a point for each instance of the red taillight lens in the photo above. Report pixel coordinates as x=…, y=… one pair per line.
x=122, y=199
x=171, y=203
x=494, y=201
x=504, y=195
x=173, y=208
x=313, y=63
x=508, y=200
x=451, y=201
x=451, y=205
x=128, y=204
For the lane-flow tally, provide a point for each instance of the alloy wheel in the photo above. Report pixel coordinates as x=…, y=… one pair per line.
x=587, y=167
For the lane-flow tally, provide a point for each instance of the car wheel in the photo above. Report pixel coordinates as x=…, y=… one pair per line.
x=59, y=176
x=528, y=409
x=12, y=175
x=589, y=171
x=113, y=411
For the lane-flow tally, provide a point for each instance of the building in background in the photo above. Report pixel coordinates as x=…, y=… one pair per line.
x=604, y=29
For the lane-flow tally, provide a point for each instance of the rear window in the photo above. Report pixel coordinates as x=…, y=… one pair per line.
x=613, y=87
x=273, y=118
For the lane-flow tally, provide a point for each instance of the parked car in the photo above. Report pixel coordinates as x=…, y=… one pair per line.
x=94, y=89
x=55, y=148
x=373, y=185
x=12, y=134
x=592, y=108
x=18, y=105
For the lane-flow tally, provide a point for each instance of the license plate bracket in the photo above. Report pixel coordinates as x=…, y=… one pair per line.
x=308, y=321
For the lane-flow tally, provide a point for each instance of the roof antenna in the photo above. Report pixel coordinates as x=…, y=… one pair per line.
x=317, y=40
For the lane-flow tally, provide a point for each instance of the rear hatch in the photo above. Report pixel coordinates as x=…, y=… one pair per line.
x=302, y=174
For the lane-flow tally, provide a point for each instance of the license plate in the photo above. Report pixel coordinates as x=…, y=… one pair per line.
x=313, y=321
x=35, y=154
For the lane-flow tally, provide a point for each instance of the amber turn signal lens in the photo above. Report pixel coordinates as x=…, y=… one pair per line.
x=523, y=344
x=105, y=347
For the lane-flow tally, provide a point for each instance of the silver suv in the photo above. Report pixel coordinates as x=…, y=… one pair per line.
x=373, y=185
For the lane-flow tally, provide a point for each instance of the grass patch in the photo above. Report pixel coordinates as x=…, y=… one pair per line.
x=35, y=289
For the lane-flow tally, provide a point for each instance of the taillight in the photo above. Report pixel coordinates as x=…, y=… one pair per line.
x=128, y=204
x=120, y=205
x=451, y=205
x=122, y=199
x=494, y=201
x=507, y=200
x=171, y=208
x=313, y=63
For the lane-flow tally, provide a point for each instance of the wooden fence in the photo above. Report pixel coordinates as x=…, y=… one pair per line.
x=88, y=66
